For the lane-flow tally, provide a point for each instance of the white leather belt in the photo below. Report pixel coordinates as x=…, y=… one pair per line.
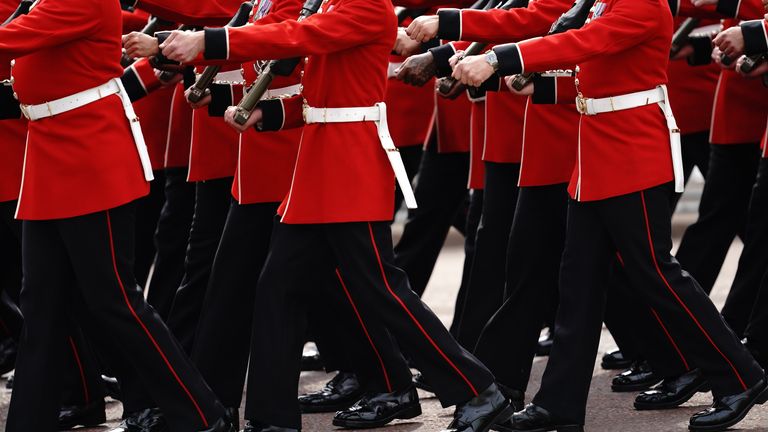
x=659, y=96
x=282, y=91
x=77, y=100
x=378, y=115
x=229, y=77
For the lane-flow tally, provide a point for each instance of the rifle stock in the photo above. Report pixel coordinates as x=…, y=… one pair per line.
x=200, y=89
x=274, y=68
x=680, y=38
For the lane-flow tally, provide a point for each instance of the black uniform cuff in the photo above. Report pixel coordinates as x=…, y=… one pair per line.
x=510, y=62
x=9, y=106
x=442, y=54
x=216, y=44
x=426, y=46
x=544, y=90
x=132, y=84
x=728, y=8
x=702, y=50
x=285, y=67
x=273, y=115
x=449, y=26
x=221, y=99
x=754, y=37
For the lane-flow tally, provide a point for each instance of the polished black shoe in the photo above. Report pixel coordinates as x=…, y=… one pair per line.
x=146, y=420
x=341, y=392
x=638, y=378
x=255, y=427
x=8, y=350
x=377, y=410
x=545, y=344
x=92, y=414
x=672, y=392
x=726, y=411
x=222, y=425
x=112, y=387
x=420, y=383
x=311, y=363
x=615, y=360
x=233, y=414
x=536, y=419
x=482, y=412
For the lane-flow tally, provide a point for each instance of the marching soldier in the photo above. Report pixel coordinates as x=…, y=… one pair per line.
x=620, y=202
x=326, y=216
x=85, y=164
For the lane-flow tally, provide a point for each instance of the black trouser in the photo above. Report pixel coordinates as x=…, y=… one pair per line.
x=147, y=214
x=507, y=344
x=753, y=261
x=696, y=149
x=722, y=211
x=171, y=239
x=88, y=260
x=485, y=288
x=638, y=226
x=212, y=200
x=411, y=156
x=10, y=271
x=363, y=254
x=441, y=191
x=474, y=213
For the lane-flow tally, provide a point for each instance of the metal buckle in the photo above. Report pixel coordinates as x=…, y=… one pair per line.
x=581, y=105
x=304, y=111
x=25, y=111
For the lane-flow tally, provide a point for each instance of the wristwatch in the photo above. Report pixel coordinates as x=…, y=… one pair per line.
x=490, y=57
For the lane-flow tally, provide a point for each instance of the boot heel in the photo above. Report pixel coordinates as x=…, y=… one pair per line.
x=411, y=412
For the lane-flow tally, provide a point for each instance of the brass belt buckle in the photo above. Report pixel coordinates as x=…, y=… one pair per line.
x=304, y=111
x=25, y=111
x=581, y=105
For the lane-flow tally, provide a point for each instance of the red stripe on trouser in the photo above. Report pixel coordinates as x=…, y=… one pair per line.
x=679, y=300
x=621, y=260
x=365, y=330
x=413, y=318
x=146, y=330
x=86, y=395
x=671, y=340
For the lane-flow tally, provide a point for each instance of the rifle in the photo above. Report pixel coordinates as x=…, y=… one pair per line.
x=200, y=89
x=446, y=85
x=575, y=18
x=680, y=38
x=751, y=63
x=23, y=9
x=274, y=68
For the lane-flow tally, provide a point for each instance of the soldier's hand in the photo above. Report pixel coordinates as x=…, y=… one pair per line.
x=404, y=45
x=526, y=91
x=139, y=45
x=473, y=70
x=717, y=58
x=424, y=28
x=730, y=42
x=417, y=70
x=757, y=72
x=183, y=46
x=456, y=58
x=205, y=101
x=229, y=118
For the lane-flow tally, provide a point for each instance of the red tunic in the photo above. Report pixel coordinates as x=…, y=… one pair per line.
x=622, y=50
x=692, y=93
x=342, y=174
x=411, y=109
x=740, y=108
x=179, y=131
x=548, y=133
x=208, y=12
x=84, y=160
x=452, y=123
x=154, y=110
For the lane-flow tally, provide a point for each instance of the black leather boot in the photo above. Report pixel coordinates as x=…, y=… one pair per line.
x=727, y=411
x=92, y=414
x=487, y=409
x=536, y=419
x=341, y=392
x=638, y=378
x=672, y=392
x=377, y=410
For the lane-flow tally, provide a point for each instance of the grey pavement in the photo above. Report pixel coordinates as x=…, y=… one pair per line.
x=607, y=412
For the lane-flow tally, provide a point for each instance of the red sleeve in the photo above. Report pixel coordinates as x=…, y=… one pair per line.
x=134, y=21
x=51, y=23
x=627, y=25
x=742, y=9
x=282, y=10
x=350, y=24
x=501, y=26
x=420, y=4
x=207, y=12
